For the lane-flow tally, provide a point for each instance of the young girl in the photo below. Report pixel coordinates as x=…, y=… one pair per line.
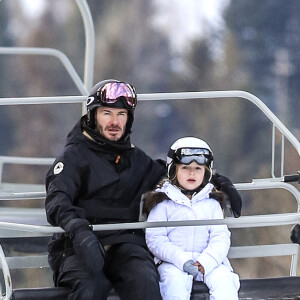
x=190, y=252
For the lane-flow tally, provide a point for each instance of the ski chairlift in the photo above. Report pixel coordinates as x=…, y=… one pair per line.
x=259, y=288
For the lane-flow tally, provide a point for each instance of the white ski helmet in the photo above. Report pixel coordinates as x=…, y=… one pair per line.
x=185, y=151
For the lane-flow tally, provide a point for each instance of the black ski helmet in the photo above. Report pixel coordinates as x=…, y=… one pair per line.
x=111, y=93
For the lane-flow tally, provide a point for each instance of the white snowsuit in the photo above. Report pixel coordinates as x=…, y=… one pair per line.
x=208, y=245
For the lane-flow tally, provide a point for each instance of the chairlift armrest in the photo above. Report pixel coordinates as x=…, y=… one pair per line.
x=6, y=276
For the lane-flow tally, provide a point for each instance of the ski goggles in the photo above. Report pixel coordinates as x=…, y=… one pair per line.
x=187, y=155
x=112, y=91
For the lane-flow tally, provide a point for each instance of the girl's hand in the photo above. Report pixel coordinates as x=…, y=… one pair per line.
x=200, y=267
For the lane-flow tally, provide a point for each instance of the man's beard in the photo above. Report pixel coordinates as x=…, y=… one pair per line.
x=112, y=138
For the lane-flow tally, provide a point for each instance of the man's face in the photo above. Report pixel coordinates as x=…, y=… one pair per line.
x=111, y=122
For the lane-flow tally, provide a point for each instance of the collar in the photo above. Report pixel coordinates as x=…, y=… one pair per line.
x=110, y=146
x=176, y=195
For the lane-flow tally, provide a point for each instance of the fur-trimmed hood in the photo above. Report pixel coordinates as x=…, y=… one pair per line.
x=151, y=199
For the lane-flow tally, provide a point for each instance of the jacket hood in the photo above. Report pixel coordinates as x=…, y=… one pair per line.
x=76, y=135
x=169, y=191
x=175, y=194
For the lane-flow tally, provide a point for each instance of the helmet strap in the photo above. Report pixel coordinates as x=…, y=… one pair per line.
x=191, y=192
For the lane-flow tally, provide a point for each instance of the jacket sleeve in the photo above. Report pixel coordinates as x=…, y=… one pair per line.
x=158, y=242
x=218, y=245
x=63, y=182
x=156, y=172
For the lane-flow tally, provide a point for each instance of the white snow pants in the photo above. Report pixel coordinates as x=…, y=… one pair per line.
x=175, y=284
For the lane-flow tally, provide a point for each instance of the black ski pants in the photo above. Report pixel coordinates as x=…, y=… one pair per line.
x=128, y=267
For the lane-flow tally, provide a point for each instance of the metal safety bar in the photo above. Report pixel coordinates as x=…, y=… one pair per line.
x=49, y=52
x=174, y=96
x=24, y=161
x=242, y=222
x=89, y=43
x=41, y=261
x=6, y=293
x=89, y=30
x=171, y=96
x=254, y=185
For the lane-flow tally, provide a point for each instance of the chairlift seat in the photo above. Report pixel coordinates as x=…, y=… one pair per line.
x=47, y=293
x=258, y=288
x=270, y=288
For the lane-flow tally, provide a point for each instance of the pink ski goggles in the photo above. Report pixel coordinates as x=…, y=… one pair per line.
x=110, y=92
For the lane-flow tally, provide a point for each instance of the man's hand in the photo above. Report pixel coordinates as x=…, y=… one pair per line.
x=295, y=234
x=224, y=184
x=88, y=249
x=86, y=245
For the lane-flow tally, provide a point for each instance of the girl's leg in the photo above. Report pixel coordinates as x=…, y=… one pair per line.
x=174, y=283
x=222, y=283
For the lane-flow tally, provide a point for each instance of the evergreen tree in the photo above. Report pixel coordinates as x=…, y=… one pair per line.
x=267, y=33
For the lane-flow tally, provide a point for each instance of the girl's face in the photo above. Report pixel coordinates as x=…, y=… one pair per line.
x=190, y=176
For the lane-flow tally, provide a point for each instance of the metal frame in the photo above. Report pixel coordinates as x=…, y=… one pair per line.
x=89, y=52
x=6, y=276
x=49, y=52
x=277, y=124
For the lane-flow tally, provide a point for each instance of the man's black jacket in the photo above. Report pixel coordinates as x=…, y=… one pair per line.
x=89, y=182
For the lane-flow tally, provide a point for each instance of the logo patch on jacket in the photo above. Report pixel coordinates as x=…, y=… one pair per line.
x=58, y=168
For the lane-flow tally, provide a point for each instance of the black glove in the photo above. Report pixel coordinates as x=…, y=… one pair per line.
x=86, y=245
x=225, y=185
x=88, y=249
x=295, y=234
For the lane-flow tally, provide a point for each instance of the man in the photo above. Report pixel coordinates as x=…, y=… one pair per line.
x=99, y=179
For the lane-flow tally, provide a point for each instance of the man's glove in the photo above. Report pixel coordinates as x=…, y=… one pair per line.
x=224, y=184
x=86, y=245
x=190, y=268
x=295, y=234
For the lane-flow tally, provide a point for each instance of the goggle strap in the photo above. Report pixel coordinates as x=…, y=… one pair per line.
x=171, y=153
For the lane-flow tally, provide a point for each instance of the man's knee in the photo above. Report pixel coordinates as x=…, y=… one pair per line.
x=133, y=272
x=90, y=288
x=82, y=284
x=98, y=286
x=142, y=265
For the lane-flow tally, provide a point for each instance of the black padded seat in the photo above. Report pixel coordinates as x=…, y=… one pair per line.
x=200, y=291
x=261, y=288
x=47, y=293
x=272, y=288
